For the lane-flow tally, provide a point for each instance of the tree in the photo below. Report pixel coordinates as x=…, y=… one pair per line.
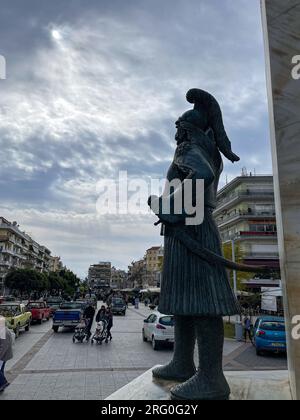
x=71, y=281
x=56, y=282
x=239, y=257
x=26, y=281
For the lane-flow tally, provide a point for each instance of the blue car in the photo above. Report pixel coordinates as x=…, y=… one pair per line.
x=270, y=335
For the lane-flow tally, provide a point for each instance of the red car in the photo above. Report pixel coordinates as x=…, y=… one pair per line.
x=40, y=311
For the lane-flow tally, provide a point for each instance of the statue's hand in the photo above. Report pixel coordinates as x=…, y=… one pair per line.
x=232, y=157
x=154, y=203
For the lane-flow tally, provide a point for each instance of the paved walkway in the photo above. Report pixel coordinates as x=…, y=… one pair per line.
x=49, y=366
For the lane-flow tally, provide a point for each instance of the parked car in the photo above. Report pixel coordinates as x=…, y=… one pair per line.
x=54, y=303
x=68, y=315
x=270, y=335
x=118, y=306
x=17, y=317
x=159, y=329
x=40, y=311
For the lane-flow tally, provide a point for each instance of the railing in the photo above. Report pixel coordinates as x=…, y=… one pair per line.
x=245, y=194
x=262, y=255
x=245, y=234
x=239, y=214
x=251, y=233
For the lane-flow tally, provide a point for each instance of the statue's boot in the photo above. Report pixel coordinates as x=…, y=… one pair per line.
x=182, y=366
x=209, y=383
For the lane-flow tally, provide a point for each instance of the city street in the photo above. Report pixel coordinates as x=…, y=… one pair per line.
x=49, y=366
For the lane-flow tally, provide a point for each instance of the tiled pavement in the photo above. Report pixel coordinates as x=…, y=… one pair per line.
x=54, y=368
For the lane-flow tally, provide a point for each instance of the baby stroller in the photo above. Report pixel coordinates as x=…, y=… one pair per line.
x=81, y=332
x=100, y=333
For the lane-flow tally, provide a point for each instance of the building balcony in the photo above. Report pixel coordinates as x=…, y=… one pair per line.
x=244, y=235
x=265, y=255
x=13, y=253
x=234, y=218
x=246, y=195
x=257, y=234
x=5, y=264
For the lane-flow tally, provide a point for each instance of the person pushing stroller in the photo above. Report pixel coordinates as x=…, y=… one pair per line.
x=89, y=314
x=100, y=333
x=109, y=319
x=104, y=321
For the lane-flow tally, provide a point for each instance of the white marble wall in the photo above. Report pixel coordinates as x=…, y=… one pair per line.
x=281, y=21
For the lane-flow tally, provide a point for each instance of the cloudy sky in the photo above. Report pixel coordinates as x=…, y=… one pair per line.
x=94, y=87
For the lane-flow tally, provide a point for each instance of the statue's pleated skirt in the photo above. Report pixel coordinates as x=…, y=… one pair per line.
x=190, y=286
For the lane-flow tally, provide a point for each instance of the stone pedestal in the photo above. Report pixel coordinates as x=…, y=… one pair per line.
x=266, y=385
x=282, y=39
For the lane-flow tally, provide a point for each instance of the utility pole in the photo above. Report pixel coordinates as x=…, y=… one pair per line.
x=238, y=325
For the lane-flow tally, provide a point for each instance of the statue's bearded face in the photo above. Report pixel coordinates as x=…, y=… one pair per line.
x=191, y=117
x=181, y=134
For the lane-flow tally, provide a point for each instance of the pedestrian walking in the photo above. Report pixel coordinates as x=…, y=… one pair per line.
x=136, y=303
x=109, y=319
x=89, y=314
x=6, y=352
x=247, y=329
x=101, y=314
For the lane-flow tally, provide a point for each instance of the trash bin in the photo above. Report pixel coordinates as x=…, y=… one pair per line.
x=239, y=336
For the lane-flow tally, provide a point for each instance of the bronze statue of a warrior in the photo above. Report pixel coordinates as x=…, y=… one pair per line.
x=195, y=285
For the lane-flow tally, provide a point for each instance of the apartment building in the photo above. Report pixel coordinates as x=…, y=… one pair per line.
x=153, y=266
x=99, y=276
x=19, y=250
x=118, y=278
x=55, y=264
x=245, y=214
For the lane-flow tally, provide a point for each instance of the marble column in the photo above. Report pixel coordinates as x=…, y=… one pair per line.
x=281, y=22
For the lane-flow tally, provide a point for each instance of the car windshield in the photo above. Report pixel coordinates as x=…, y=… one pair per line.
x=36, y=305
x=118, y=301
x=70, y=305
x=273, y=326
x=167, y=321
x=8, y=310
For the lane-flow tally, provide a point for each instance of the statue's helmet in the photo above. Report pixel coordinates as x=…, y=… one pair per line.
x=204, y=101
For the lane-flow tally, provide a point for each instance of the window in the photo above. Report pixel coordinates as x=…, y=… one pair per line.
x=263, y=228
x=152, y=319
x=167, y=321
x=273, y=326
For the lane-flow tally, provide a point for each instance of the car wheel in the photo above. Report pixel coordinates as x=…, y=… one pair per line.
x=155, y=344
x=144, y=337
x=39, y=321
x=27, y=328
x=55, y=329
x=258, y=352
